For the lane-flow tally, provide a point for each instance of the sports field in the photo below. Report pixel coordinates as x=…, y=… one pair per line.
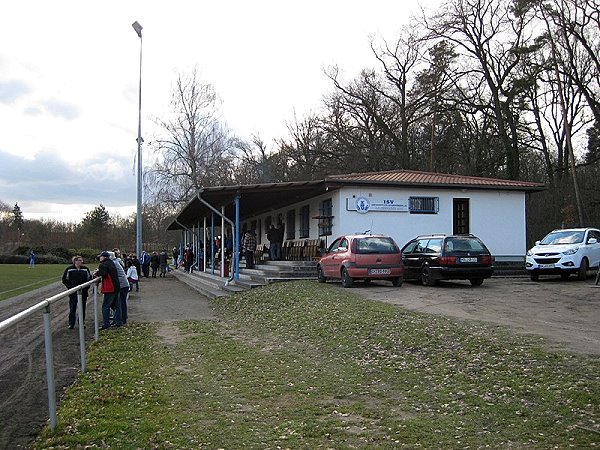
x=16, y=279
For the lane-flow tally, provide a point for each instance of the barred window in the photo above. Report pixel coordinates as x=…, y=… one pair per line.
x=423, y=205
x=304, y=221
x=290, y=226
x=326, y=218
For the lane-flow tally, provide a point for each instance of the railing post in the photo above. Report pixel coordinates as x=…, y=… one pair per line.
x=50, y=368
x=81, y=329
x=96, y=325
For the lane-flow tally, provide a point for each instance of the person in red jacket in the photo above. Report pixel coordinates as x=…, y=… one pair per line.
x=110, y=287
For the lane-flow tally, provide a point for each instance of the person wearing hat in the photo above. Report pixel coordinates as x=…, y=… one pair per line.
x=120, y=305
x=110, y=285
x=74, y=275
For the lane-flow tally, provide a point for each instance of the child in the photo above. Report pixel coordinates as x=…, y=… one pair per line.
x=132, y=277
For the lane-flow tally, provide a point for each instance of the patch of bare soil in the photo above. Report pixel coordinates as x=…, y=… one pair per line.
x=23, y=388
x=565, y=312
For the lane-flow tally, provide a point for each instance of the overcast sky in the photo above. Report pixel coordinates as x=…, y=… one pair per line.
x=69, y=75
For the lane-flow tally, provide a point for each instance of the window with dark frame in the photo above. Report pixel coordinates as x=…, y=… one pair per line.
x=326, y=217
x=304, y=222
x=290, y=225
x=423, y=205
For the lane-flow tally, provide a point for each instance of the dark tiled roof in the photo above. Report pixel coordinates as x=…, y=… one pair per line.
x=411, y=178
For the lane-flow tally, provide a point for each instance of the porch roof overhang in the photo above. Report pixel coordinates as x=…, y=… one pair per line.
x=255, y=199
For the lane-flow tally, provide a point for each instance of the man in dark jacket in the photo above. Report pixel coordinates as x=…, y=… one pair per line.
x=107, y=269
x=145, y=261
x=74, y=275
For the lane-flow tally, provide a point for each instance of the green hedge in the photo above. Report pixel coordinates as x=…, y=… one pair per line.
x=39, y=259
x=49, y=255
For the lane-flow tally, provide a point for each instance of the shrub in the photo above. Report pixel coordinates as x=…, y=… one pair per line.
x=39, y=259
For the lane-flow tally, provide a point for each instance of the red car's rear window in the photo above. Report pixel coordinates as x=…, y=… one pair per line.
x=376, y=244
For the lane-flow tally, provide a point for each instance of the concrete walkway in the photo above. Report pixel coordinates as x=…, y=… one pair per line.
x=166, y=300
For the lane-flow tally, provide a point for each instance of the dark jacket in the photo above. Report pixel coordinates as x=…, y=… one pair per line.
x=280, y=233
x=136, y=263
x=107, y=268
x=154, y=261
x=162, y=258
x=73, y=276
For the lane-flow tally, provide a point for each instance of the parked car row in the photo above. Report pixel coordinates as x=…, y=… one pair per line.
x=436, y=257
x=427, y=259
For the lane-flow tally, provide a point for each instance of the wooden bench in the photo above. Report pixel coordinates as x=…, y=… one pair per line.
x=312, y=249
x=301, y=249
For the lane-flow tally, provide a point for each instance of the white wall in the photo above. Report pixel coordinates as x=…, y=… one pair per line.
x=497, y=217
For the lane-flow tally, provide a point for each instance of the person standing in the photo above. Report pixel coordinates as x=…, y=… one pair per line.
x=279, y=237
x=132, y=277
x=249, y=247
x=31, y=259
x=136, y=263
x=74, y=275
x=145, y=261
x=189, y=260
x=110, y=286
x=273, y=242
x=175, y=256
x=120, y=306
x=154, y=263
x=118, y=258
x=162, y=262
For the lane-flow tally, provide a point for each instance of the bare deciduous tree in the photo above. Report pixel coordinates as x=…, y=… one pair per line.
x=194, y=150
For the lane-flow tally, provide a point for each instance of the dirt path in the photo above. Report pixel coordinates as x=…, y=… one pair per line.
x=567, y=313
x=24, y=397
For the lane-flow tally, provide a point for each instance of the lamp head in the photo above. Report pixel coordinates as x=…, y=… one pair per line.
x=138, y=28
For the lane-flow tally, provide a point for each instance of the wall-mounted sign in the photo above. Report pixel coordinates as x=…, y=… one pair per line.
x=364, y=205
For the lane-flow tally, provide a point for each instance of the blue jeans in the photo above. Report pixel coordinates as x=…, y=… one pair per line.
x=121, y=311
x=275, y=251
x=108, y=300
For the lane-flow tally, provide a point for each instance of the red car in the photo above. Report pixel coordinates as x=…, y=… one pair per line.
x=361, y=257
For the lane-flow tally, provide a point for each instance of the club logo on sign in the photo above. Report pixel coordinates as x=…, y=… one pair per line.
x=362, y=205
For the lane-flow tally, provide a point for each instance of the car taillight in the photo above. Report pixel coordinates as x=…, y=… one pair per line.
x=485, y=259
x=448, y=260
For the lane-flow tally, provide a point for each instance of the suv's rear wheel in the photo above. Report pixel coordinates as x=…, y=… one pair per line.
x=347, y=280
x=582, y=274
x=426, y=278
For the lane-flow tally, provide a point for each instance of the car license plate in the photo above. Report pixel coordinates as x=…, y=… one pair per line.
x=468, y=260
x=379, y=271
x=546, y=266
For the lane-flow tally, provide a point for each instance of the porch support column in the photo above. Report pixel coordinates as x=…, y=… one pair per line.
x=237, y=237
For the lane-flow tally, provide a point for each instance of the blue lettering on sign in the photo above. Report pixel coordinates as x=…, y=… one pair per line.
x=388, y=202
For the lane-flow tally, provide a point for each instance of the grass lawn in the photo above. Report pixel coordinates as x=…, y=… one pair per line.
x=303, y=365
x=16, y=279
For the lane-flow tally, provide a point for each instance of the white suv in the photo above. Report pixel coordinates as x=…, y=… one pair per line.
x=564, y=252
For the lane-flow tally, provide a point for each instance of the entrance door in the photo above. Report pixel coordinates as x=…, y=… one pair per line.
x=460, y=216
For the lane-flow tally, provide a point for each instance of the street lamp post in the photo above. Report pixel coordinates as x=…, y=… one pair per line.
x=138, y=237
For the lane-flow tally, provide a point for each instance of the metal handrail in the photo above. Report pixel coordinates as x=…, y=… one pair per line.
x=45, y=305
x=13, y=320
